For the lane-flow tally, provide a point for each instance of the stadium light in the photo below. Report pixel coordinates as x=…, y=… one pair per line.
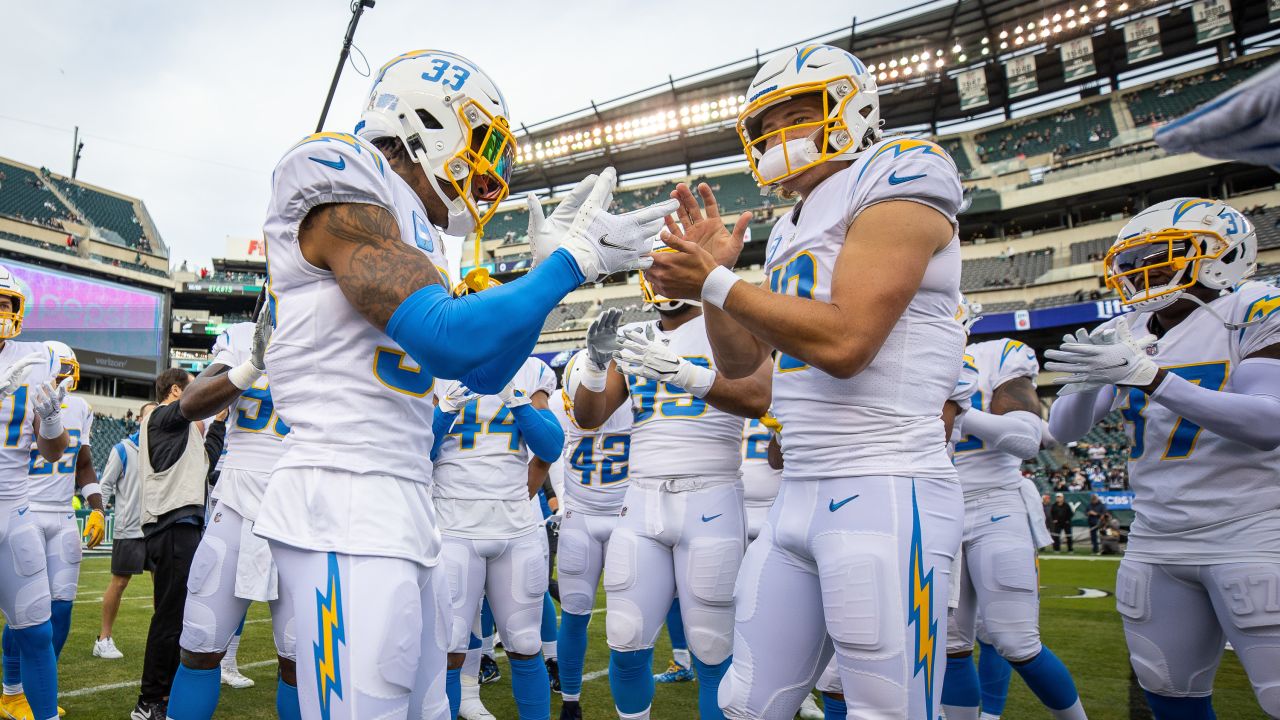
x=955, y=48
x=986, y=41
x=986, y=51
x=1004, y=45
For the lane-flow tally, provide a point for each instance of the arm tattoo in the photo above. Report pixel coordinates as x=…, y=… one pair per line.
x=374, y=267
x=1016, y=394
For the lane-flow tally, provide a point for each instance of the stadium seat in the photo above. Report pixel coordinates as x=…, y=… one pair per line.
x=24, y=196
x=1173, y=97
x=1066, y=132
x=1012, y=271
x=106, y=211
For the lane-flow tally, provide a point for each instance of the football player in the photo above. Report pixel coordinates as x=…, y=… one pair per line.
x=232, y=567
x=1195, y=372
x=760, y=477
x=363, y=327
x=596, y=471
x=999, y=573
x=682, y=529
x=30, y=406
x=863, y=285
x=51, y=487
x=494, y=546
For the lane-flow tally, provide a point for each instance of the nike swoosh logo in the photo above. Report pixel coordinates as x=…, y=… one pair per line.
x=713, y=517
x=767, y=79
x=604, y=240
x=339, y=164
x=834, y=506
x=815, y=66
x=22, y=511
x=998, y=518
x=893, y=179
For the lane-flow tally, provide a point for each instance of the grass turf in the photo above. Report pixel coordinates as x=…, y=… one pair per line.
x=1085, y=632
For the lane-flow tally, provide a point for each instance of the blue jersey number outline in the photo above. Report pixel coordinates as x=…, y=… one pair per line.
x=798, y=276
x=1182, y=439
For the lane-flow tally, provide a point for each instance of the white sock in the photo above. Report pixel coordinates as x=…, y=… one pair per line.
x=229, y=660
x=960, y=712
x=1075, y=712
x=566, y=697
x=988, y=716
x=549, y=650
x=682, y=657
x=13, y=689
x=470, y=688
x=486, y=645
x=471, y=666
x=642, y=715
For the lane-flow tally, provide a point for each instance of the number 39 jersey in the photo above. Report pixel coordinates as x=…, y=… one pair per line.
x=596, y=462
x=673, y=433
x=997, y=361
x=51, y=485
x=1200, y=498
x=17, y=433
x=352, y=398
x=886, y=420
x=255, y=431
x=481, y=474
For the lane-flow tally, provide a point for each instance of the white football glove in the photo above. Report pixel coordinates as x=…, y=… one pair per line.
x=48, y=406
x=644, y=354
x=247, y=373
x=13, y=377
x=602, y=339
x=603, y=244
x=1111, y=357
x=452, y=395
x=513, y=397
x=546, y=232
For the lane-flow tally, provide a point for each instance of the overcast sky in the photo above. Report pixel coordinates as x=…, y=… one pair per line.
x=189, y=105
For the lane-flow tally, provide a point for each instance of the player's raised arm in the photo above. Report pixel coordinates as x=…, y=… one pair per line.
x=599, y=392
x=220, y=384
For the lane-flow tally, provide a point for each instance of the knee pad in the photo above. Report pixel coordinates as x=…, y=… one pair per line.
x=27, y=550
x=401, y=646
x=63, y=582
x=206, y=566
x=829, y=681
x=286, y=639
x=860, y=595
x=1011, y=611
x=32, y=604
x=574, y=552
x=709, y=630
x=69, y=546
x=712, y=568
x=199, y=627
x=624, y=626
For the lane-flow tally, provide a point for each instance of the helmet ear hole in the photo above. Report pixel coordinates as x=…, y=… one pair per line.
x=1231, y=255
x=429, y=121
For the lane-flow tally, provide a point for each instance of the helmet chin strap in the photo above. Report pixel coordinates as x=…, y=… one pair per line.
x=1226, y=323
x=457, y=206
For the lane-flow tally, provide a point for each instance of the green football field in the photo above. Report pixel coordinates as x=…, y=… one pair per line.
x=1084, y=631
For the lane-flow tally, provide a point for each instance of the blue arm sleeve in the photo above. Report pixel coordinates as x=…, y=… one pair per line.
x=441, y=424
x=541, y=431
x=482, y=338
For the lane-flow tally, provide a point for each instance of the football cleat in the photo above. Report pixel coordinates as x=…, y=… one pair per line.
x=675, y=673
x=553, y=672
x=809, y=709
x=232, y=676
x=145, y=710
x=489, y=672
x=571, y=710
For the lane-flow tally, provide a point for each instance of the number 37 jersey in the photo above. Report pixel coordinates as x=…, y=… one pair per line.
x=352, y=398
x=1200, y=498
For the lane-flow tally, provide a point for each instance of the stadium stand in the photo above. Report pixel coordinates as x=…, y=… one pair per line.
x=115, y=262
x=106, y=211
x=24, y=196
x=1064, y=133
x=1170, y=98
x=1009, y=271
x=564, y=313
x=955, y=148
x=37, y=243
x=1089, y=250
x=632, y=308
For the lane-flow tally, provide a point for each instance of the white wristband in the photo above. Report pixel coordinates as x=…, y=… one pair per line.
x=715, y=289
x=90, y=489
x=51, y=427
x=696, y=379
x=593, y=378
x=244, y=375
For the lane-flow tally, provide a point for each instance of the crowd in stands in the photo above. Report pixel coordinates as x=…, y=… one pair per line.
x=1171, y=98
x=1097, y=463
x=1064, y=133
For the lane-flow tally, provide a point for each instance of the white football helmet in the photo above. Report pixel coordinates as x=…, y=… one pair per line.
x=1175, y=244
x=12, y=288
x=453, y=122
x=68, y=366
x=969, y=312
x=850, y=107
x=571, y=379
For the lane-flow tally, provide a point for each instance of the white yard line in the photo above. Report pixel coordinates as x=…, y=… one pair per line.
x=134, y=683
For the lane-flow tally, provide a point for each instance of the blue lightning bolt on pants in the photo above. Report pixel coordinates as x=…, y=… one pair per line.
x=865, y=561
x=371, y=634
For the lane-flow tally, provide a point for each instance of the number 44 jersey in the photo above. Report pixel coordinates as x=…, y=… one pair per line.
x=1200, y=498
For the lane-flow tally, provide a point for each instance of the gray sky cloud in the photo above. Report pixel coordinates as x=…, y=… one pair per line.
x=189, y=105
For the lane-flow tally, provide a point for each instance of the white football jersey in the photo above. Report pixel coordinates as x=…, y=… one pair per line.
x=1200, y=498
x=352, y=398
x=759, y=481
x=596, y=462
x=997, y=362
x=673, y=433
x=255, y=431
x=482, y=472
x=16, y=414
x=50, y=486
x=886, y=420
